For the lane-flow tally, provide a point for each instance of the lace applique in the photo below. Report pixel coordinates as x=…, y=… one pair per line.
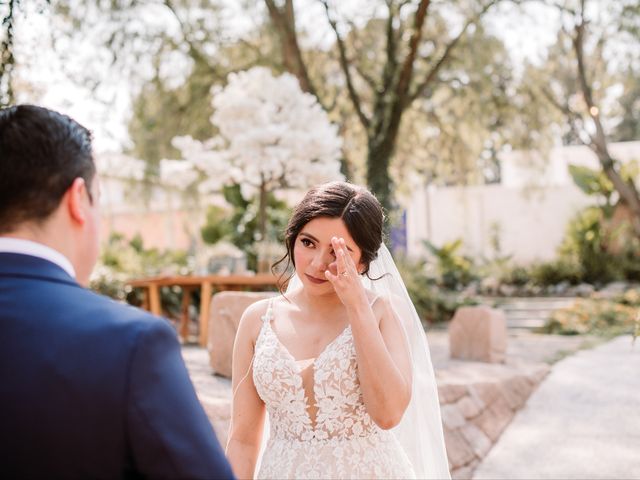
x=343, y=442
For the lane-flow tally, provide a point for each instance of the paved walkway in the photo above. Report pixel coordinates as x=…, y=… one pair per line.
x=582, y=422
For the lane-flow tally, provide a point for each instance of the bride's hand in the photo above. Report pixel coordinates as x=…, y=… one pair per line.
x=347, y=282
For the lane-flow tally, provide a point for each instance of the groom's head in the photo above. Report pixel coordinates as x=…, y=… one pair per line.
x=48, y=185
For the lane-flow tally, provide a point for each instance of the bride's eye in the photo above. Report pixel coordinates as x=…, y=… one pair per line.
x=306, y=242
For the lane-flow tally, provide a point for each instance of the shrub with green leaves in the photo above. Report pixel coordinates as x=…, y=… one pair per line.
x=433, y=303
x=555, y=272
x=122, y=260
x=454, y=270
x=239, y=224
x=595, y=316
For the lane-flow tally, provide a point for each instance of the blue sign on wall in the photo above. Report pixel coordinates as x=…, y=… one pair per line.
x=398, y=234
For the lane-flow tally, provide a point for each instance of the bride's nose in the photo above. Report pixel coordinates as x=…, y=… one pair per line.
x=321, y=261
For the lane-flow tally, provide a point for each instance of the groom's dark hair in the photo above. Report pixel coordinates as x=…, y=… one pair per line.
x=41, y=153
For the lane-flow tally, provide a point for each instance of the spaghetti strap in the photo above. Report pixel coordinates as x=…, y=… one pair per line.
x=266, y=318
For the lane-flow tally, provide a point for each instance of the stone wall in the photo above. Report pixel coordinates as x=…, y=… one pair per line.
x=477, y=403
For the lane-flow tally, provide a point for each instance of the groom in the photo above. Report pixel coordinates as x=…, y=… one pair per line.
x=89, y=388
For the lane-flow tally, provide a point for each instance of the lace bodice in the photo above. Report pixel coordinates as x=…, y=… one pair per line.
x=340, y=440
x=340, y=410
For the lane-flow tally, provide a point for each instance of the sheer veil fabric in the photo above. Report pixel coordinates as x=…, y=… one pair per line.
x=420, y=430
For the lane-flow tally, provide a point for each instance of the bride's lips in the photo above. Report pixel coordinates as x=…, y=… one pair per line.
x=315, y=280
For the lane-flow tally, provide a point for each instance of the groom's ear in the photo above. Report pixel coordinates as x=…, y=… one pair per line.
x=76, y=199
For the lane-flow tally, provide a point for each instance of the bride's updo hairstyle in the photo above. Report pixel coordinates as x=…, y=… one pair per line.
x=360, y=211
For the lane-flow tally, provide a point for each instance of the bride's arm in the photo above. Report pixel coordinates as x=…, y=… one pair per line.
x=384, y=362
x=382, y=350
x=247, y=413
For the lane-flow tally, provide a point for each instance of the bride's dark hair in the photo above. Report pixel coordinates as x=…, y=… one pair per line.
x=358, y=208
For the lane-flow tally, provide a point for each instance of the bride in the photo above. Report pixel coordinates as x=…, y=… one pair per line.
x=333, y=378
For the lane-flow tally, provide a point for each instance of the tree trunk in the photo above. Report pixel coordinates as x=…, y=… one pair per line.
x=627, y=190
x=379, y=153
x=7, y=60
x=283, y=19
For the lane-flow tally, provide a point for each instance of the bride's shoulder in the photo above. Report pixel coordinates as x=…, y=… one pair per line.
x=382, y=303
x=252, y=318
x=376, y=298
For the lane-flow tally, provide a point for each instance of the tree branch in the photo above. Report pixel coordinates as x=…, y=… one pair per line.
x=626, y=189
x=433, y=72
x=366, y=77
x=572, y=116
x=391, y=64
x=344, y=64
x=283, y=20
x=194, y=50
x=406, y=72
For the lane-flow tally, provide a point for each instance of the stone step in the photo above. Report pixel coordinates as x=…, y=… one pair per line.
x=528, y=302
x=527, y=312
x=525, y=324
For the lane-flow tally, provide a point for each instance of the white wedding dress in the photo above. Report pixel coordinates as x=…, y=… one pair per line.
x=342, y=441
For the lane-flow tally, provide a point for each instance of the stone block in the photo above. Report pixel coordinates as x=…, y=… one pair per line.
x=450, y=392
x=480, y=443
x=226, y=310
x=516, y=391
x=495, y=418
x=468, y=407
x=479, y=334
x=458, y=449
x=466, y=472
x=451, y=417
x=485, y=391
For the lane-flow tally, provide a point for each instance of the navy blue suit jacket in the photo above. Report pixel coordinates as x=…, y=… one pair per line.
x=90, y=388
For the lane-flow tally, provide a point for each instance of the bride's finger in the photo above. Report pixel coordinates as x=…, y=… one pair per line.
x=340, y=260
x=350, y=265
x=330, y=276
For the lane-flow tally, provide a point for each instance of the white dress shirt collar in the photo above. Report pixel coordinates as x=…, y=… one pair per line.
x=27, y=247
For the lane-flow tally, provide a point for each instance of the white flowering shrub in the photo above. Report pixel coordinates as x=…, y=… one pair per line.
x=272, y=135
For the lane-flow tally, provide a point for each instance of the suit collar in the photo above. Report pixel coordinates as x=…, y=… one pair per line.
x=21, y=265
x=36, y=249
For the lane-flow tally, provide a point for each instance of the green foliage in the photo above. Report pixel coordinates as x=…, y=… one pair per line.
x=454, y=270
x=592, y=182
x=597, y=316
x=240, y=226
x=433, y=304
x=555, y=272
x=123, y=260
x=516, y=275
x=217, y=225
x=587, y=244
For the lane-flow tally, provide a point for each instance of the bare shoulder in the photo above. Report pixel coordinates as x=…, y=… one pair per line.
x=251, y=320
x=385, y=305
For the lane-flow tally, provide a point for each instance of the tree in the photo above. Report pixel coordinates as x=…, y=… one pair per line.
x=412, y=67
x=581, y=88
x=272, y=136
x=10, y=10
x=7, y=59
x=162, y=111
